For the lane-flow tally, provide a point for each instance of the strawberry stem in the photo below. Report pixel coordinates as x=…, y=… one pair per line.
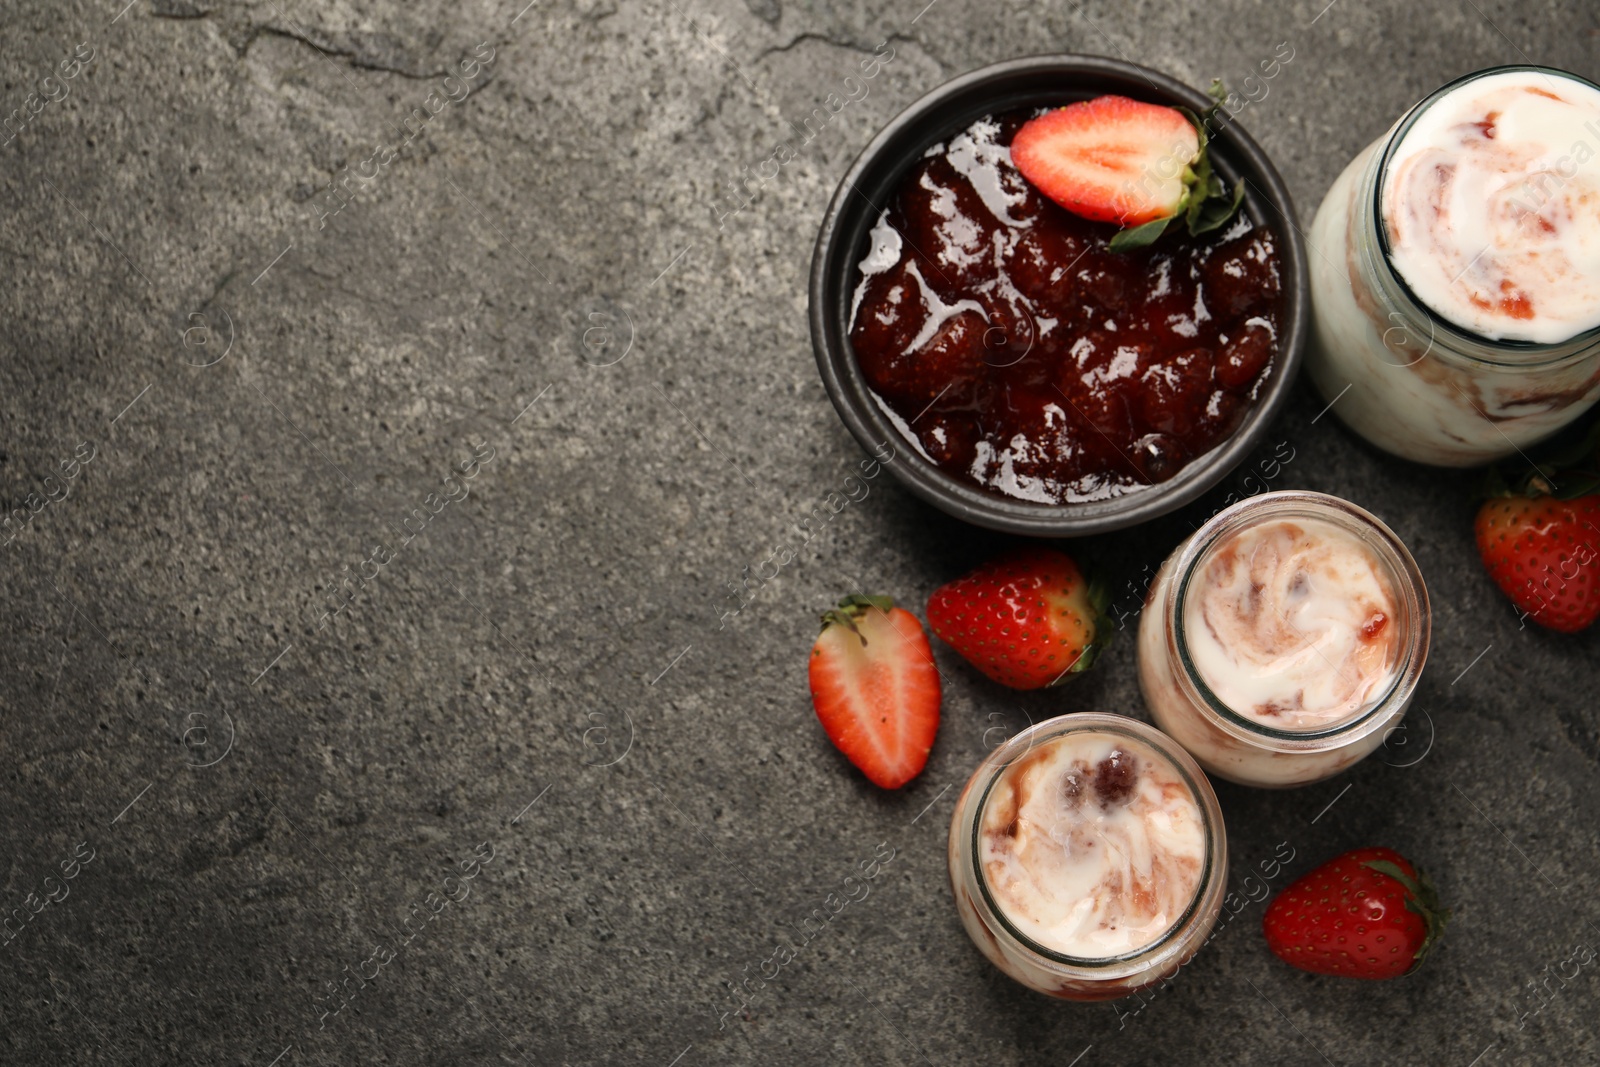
x=1566, y=469
x=1099, y=594
x=852, y=608
x=1206, y=203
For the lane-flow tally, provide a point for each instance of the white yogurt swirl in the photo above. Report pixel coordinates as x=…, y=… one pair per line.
x=1491, y=202
x=1092, y=844
x=1292, y=623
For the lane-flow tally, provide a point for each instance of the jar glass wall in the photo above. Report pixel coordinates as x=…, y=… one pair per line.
x=1088, y=857
x=1284, y=639
x=1419, y=383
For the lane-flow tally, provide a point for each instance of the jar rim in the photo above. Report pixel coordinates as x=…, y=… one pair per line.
x=1568, y=350
x=1409, y=588
x=1106, y=968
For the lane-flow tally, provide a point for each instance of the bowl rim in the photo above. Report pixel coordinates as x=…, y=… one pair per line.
x=964, y=99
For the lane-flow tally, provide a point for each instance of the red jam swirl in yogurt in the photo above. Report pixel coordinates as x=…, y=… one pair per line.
x=1092, y=845
x=1491, y=205
x=1292, y=624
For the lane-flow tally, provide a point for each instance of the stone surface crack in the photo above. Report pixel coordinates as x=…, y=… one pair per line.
x=366, y=51
x=356, y=57
x=216, y=290
x=894, y=39
x=820, y=38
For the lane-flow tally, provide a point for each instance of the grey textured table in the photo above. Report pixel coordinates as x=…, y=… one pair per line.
x=536, y=786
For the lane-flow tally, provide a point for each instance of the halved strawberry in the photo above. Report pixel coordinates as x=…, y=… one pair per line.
x=1111, y=159
x=876, y=689
x=1114, y=159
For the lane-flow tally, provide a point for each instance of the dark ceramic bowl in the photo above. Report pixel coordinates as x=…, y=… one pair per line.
x=1038, y=81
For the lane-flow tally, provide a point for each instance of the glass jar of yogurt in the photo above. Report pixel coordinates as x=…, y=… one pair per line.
x=1455, y=271
x=1284, y=639
x=1088, y=857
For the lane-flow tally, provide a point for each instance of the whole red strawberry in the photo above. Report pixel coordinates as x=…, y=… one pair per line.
x=875, y=688
x=1539, y=537
x=1542, y=552
x=1027, y=620
x=1366, y=914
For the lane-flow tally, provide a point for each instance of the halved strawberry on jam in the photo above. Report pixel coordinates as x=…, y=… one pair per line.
x=1110, y=159
x=1139, y=165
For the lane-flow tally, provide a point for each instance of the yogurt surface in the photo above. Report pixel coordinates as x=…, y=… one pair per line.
x=1293, y=623
x=1491, y=202
x=1092, y=844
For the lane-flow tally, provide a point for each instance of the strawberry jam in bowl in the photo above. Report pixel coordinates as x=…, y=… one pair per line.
x=1062, y=289
x=1026, y=357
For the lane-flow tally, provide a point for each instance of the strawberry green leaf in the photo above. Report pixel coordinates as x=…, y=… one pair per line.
x=1204, y=180
x=1576, y=484
x=1216, y=211
x=1199, y=124
x=852, y=608
x=1207, y=203
x=859, y=602
x=1566, y=468
x=1085, y=660
x=1099, y=596
x=1139, y=236
x=1393, y=871
x=1421, y=899
x=1494, y=484
x=1575, y=451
